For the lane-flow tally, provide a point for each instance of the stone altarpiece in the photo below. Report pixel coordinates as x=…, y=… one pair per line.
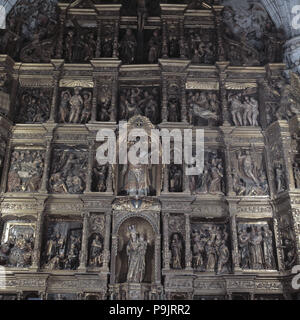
x=71, y=229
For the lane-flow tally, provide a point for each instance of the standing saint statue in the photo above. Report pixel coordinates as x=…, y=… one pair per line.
x=136, y=252
x=136, y=179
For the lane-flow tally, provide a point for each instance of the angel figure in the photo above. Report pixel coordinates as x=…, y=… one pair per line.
x=87, y=107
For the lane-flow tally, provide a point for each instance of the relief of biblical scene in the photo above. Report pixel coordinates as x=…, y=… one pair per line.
x=62, y=245
x=256, y=246
x=248, y=173
x=68, y=171
x=210, y=245
x=75, y=105
x=17, y=244
x=212, y=179
x=34, y=105
x=25, y=171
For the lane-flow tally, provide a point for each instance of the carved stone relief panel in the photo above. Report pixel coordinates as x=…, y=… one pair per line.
x=248, y=173
x=250, y=36
x=17, y=244
x=256, y=246
x=244, y=108
x=62, y=245
x=34, y=105
x=203, y=107
x=68, y=170
x=79, y=44
x=32, y=37
x=210, y=246
x=26, y=170
x=212, y=180
x=200, y=45
x=75, y=105
x=140, y=101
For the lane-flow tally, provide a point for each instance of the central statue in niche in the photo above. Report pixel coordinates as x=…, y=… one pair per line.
x=136, y=252
x=137, y=179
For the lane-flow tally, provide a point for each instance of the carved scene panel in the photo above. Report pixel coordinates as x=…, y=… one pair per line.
x=62, y=245
x=68, y=170
x=17, y=244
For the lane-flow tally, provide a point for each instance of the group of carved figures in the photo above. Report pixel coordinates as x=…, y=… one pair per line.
x=203, y=107
x=256, y=247
x=210, y=249
x=26, y=171
x=75, y=108
x=17, y=251
x=79, y=46
x=139, y=102
x=34, y=106
x=212, y=178
x=62, y=252
x=244, y=110
x=199, y=47
x=68, y=172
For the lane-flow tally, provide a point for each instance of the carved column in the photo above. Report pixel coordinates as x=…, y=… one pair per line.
x=165, y=49
x=58, y=64
x=183, y=100
x=234, y=241
x=47, y=161
x=186, y=184
x=91, y=156
x=84, y=243
x=228, y=182
x=6, y=165
x=114, y=252
x=164, y=109
x=158, y=259
x=107, y=241
x=188, y=253
x=219, y=30
x=166, y=179
x=98, y=46
x=278, y=243
x=38, y=237
x=166, y=251
x=222, y=66
x=114, y=101
x=182, y=41
x=95, y=97
x=116, y=40
x=60, y=40
x=109, y=187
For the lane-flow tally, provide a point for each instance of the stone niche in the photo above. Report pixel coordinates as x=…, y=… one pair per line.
x=143, y=231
